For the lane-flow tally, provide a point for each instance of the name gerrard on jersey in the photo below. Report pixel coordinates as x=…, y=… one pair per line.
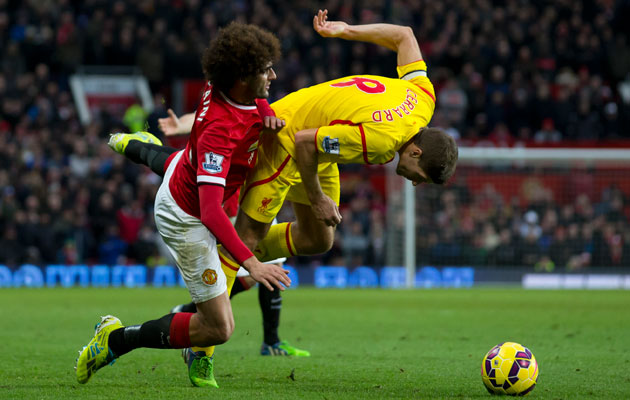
x=403, y=109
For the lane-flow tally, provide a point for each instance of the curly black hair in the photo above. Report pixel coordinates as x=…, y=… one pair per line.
x=237, y=52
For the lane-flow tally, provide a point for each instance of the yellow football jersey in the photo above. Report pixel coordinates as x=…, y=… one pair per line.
x=360, y=119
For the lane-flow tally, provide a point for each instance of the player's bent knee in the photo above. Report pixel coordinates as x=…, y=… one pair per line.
x=224, y=330
x=324, y=244
x=317, y=244
x=217, y=334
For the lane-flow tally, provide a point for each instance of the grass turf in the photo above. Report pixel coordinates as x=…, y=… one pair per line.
x=365, y=344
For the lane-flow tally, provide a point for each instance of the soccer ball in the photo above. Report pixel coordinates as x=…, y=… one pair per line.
x=509, y=368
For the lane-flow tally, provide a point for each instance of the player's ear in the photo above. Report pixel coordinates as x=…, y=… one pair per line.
x=415, y=151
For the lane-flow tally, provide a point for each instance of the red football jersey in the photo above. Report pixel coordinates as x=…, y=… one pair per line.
x=220, y=151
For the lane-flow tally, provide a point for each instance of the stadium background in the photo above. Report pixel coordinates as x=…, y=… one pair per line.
x=515, y=73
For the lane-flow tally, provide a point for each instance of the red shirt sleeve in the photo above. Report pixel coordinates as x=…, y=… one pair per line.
x=231, y=205
x=214, y=153
x=264, y=109
x=217, y=222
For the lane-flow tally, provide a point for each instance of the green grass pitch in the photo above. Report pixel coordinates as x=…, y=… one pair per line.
x=376, y=344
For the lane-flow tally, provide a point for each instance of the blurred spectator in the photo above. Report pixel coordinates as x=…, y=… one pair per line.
x=112, y=249
x=130, y=219
x=547, y=133
x=501, y=136
x=135, y=118
x=453, y=102
x=529, y=227
x=355, y=245
x=584, y=123
x=560, y=250
x=530, y=251
x=506, y=252
x=13, y=252
x=145, y=249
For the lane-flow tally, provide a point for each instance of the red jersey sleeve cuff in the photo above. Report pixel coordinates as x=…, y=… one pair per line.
x=264, y=109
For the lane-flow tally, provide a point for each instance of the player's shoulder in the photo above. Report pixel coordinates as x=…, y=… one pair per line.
x=415, y=75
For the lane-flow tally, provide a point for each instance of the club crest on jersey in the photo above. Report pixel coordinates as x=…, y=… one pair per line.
x=331, y=146
x=209, y=277
x=264, y=203
x=213, y=163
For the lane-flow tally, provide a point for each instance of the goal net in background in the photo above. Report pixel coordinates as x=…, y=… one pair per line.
x=545, y=209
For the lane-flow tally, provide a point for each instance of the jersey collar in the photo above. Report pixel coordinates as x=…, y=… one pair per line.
x=236, y=105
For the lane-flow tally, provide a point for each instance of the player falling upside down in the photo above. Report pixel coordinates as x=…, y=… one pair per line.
x=361, y=119
x=188, y=213
x=358, y=119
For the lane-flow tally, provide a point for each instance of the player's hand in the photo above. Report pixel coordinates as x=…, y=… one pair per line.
x=327, y=28
x=273, y=124
x=325, y=209
x=268, y=274
x=171, y=125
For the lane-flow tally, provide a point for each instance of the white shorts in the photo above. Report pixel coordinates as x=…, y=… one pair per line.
x=192, y=245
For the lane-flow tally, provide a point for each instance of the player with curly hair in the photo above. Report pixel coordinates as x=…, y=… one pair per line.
x=188, y=207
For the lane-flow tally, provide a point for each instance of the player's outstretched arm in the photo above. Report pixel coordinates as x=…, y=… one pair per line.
x=323, y=206
x=173, y=125
x=395, y=37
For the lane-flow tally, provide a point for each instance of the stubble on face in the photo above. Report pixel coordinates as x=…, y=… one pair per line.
x=262, y=82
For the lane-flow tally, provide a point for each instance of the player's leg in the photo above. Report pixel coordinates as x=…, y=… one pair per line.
x=142, y=148
x=307, y=235
x=212, y=324
x=230, y=269
x=271, y=308
x=232, y=282
x=270, y=302
x=200, y=358
x=195, y=251
x=241, y=284
x=263, y=194
x=250, y=230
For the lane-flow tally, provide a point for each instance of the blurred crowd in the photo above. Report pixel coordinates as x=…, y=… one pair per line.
x=475, y=224
x=534, y=228
x=505, y=72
